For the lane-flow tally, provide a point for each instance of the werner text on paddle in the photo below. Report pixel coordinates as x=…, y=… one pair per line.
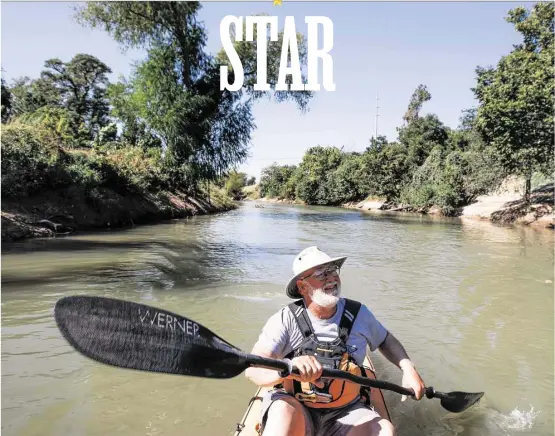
x=167, y=321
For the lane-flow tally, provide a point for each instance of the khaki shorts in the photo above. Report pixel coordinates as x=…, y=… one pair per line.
x=320, y=422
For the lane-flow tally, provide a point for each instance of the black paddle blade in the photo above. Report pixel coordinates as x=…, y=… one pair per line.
x=457, y=402
x=135, y=336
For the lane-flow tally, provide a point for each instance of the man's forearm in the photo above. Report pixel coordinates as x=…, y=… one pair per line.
x=263, y=377
x=392, y=349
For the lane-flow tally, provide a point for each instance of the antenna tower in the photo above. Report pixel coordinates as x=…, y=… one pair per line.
x=377, y=115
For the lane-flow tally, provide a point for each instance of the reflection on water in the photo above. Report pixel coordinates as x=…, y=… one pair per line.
x=472, y=303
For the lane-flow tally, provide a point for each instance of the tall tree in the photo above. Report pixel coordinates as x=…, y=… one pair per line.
x=30, y=95
x=153, y=24
x=81, y=84
x=126, y=106
x=516, y=98
x=420, y=96
x=421, y=135
x=205, y=131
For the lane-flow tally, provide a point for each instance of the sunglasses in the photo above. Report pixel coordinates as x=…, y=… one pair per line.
x=320, y=274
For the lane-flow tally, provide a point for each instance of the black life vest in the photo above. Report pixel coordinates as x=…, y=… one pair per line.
x=333, y=355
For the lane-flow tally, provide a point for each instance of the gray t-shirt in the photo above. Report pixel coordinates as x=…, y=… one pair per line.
x=281, y=334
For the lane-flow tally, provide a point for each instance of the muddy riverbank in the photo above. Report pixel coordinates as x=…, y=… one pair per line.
x=64, y=212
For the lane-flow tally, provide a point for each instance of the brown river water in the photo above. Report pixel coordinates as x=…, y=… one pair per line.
x=472, y=303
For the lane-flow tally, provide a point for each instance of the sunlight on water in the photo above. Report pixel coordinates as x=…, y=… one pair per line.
x=521, y=419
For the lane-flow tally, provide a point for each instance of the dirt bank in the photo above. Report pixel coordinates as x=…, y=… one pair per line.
x=377, y=204
x=505, y=206
x=64, y=212
x=512, y=209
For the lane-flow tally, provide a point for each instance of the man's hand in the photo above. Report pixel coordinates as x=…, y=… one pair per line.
x=392, y=349
x=309, y=368
x=411, y=379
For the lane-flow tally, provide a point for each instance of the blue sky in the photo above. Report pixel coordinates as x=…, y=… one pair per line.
x=385, y=48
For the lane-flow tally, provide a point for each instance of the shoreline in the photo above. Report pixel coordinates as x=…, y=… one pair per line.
x=505, y=207
x=65, y=212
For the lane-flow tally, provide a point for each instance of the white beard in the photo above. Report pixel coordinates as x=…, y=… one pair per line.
x=326, y=299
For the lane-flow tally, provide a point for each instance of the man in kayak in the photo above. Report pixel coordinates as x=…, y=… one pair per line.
x=319, y=329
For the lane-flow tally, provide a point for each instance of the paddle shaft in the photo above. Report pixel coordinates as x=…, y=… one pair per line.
x=284, y=368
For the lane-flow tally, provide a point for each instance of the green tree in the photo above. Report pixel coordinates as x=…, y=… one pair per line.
x=6, y=102
x=30, y=95
x=465, y=136
x=175, y=91
x=313, y=178
x=236, y=181
x=125, y=106
x=278, y=181
x=377, y=144
x=251, y=181
x=108, y=134
x=421, y=135
x=418, y=98
x=452, y=179
x=516, y=98
x=346, y=182
x=81, y=85
x=56, y=120
x=386, y=171
x=205, y=131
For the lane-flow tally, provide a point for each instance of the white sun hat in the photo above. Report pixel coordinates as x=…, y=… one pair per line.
x=307, y=259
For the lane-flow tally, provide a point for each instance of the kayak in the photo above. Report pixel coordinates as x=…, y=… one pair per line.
x=249, y=424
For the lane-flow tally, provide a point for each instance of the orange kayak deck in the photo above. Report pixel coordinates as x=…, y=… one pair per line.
x=249, y=424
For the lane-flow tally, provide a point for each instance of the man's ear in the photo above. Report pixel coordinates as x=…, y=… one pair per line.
x=301, y=286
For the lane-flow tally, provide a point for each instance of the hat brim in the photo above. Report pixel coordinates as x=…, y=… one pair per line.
x=292, y=290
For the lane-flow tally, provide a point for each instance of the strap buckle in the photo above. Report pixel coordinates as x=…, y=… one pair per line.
x=313, y=397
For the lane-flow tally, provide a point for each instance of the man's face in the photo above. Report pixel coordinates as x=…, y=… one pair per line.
x=322, y=277
x=322, y=285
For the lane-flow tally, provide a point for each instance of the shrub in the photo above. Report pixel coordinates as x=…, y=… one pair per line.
x=138, y=169
x=31, y=160
x=34, y=160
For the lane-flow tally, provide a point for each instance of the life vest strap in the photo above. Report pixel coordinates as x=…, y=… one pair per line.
x=350, y=312
x=298, y=310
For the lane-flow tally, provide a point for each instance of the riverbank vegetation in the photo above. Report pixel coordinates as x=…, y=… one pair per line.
x=432, y=166
x=167, y=130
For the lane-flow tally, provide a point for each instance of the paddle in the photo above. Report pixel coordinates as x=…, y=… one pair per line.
x=136, y=336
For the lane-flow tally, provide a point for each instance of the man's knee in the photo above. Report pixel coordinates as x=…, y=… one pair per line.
x=285, y=416
x=386, y=428
x=286, y=407
x=373, y=427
